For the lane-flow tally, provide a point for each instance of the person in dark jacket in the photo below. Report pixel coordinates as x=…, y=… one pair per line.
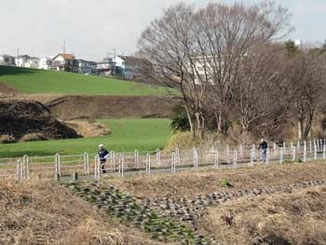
x=263, y=146
x=103, y=155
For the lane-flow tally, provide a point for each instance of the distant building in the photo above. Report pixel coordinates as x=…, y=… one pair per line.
x=7, y=60
x=45, y=63
x=106, y=67
x=128, y=67
x=64, y=62
x=27, y=61
x=86, y=67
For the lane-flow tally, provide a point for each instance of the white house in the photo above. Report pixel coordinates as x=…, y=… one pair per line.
x=33, y=62
x=64, y=62
x=7, y=60
x=22, y=60
x=45, y=63
x=105, y=67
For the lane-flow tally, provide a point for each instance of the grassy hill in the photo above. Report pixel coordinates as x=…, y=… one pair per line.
x=36, y=81
x=127, y=135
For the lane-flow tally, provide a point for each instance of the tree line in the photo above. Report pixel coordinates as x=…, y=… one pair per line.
x=232, y=68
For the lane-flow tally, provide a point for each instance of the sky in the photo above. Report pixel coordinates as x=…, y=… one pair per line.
x=93, y=29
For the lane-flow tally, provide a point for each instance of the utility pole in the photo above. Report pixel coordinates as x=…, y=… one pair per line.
x=17, y=52
x=64, y=47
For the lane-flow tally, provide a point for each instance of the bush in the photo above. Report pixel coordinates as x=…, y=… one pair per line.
x=179, y=118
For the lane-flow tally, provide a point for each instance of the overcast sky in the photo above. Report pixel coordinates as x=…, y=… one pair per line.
x=93, y=28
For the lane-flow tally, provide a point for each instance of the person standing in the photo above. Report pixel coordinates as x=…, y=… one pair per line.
x=103, y=154
x=263, y=146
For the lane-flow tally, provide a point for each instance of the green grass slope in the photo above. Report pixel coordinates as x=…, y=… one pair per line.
x=127, y=135
x=36, y=81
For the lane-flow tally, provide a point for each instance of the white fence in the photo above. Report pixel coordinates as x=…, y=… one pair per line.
x=144, y=163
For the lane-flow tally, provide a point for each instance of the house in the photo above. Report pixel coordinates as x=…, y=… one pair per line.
x=128, y=67
x=21, y=60
x=27, y=61
x=7, y=60
x=45, y=63
x=64, y=62
x=106, y=67
x=86, y=67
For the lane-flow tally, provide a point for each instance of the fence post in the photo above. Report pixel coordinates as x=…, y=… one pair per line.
x=281, y=155
x=26, y=163
x=136, y=156
x=293, y=153
x=121, y=165
x=148, y=164
x=158, y=156
x=275, y=151
x=95, y=166
x=195, y=159
x=215, y=158
x=235, y=158
x=86, y=163
x=284, y=148
x=173, y=163
x=228, y=154
x=267, y=155
x=241, y=152
x=324, y=151
x=304, y=151
x=310, y=143
x=315, y=151
x=177, y=156
x=252, y=157
x=58, y=164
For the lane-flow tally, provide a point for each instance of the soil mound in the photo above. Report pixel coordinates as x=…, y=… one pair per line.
x=84, y=107
x=30, y=120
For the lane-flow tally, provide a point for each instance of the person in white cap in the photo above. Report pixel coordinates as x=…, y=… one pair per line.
x=103, y=155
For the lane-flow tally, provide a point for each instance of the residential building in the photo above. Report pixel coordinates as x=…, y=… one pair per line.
x=7, y=60
x=129, y=67
x=64, y=62
x=86, y=67
x=45, y=63
x=106, y=67
x=21, y=60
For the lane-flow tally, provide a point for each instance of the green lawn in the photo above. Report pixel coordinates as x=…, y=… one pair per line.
x=127, y=135
x=54, y=82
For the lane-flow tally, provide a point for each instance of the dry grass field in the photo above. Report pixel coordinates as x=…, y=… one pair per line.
x=38, y=212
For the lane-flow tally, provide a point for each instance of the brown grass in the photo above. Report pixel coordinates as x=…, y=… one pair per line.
x=296, y=218
x=200, y=183
x=38, y=212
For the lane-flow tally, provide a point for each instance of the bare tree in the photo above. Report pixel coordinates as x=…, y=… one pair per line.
x=200, y=52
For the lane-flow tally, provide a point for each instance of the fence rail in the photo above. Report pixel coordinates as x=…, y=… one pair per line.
x=144, y=163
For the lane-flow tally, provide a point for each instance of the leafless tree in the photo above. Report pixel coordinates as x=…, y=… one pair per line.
x=200, y=52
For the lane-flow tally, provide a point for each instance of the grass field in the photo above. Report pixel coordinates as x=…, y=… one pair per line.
x=127, y=135
x=40, y=81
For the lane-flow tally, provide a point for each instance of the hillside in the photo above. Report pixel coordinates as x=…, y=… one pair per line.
x=36, y=81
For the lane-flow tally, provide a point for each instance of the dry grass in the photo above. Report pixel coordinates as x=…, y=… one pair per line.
x=296, y=218
x=38, y=212
x=89, y=129
x=191, y=184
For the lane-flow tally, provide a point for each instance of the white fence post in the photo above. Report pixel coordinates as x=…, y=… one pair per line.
x=26, y=164
x=158, y=156
x=148, y=164
x=267, y=155
x=228, y=154
x=95, y=166
x=275, y=149
x=284, y=148
x=136, y=156
x=310, y=143
x=281, y=155
x=324, y=151
x=173, y=159
x=58, y=164
x=195, y=159
x=252, y=157
x=121, y=165
x=293, y=153
x=235, y=158
x=215, y=158
x=315, y=151
x=86, y=163
x=304, y=151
